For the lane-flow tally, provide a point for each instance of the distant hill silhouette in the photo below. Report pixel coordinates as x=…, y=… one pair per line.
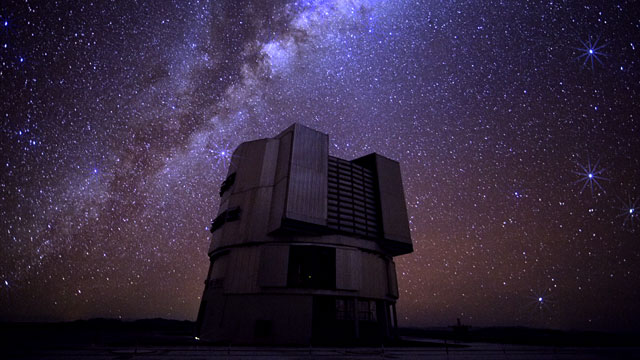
x=109, y=332
x=527, y=336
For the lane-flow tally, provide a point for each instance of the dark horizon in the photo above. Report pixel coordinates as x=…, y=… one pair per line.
x=514, y=126
x=428, y=327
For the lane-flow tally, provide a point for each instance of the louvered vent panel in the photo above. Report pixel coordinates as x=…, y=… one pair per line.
x=352, y=203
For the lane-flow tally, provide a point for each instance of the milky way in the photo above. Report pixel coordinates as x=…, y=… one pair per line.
x=514, y=123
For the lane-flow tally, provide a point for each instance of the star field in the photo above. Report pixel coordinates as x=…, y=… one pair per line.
x=514, y=123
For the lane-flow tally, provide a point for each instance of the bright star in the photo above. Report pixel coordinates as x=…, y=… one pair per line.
x=590, y=51
x=590, y=175
x=221, y=154
x=540, y=300
x=628, y=211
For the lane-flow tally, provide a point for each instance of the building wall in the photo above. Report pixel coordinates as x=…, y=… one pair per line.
x=287, y=319
x=275, y=198
x=252, y=269
x=245, y=285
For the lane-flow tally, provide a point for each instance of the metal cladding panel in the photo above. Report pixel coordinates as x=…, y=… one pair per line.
x=242, y=271
x=393, y=280
x=289, y=315
x=348, y=269
x=269, y=165
x=307, y=190
x=395, y=222
x=374, y=279
x=256, y=218
x=277, y=205
x=253, y=169
x=219, y=268
x=284, y=154
x=274, y=261
x=248, y=159
x=212, y=308
x=235, y=232
x=281, y=180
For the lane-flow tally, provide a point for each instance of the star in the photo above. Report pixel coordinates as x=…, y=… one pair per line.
x=221, y=154
x=539, y=299
x=590, y=51
x=590, y=175
x=629, y=211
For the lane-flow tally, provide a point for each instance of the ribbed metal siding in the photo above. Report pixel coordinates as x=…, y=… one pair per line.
x=351, y=199
x=307, y=188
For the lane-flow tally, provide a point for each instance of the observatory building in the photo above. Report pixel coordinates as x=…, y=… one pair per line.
x=303, y=245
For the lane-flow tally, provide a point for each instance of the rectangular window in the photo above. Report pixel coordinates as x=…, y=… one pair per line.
x=312, y=267
x=217, y=270
x=232, y=214
x=227, y=183
x=344, y=309
x=367, y=310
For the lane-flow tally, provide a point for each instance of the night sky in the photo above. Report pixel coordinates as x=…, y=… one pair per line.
x=515, y=124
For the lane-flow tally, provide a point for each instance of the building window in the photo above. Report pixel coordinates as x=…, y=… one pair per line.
x=367, y=310
x=312, y=267
x=217, y=270
x=227, y=183
x=344, y=309
x=228, y=215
